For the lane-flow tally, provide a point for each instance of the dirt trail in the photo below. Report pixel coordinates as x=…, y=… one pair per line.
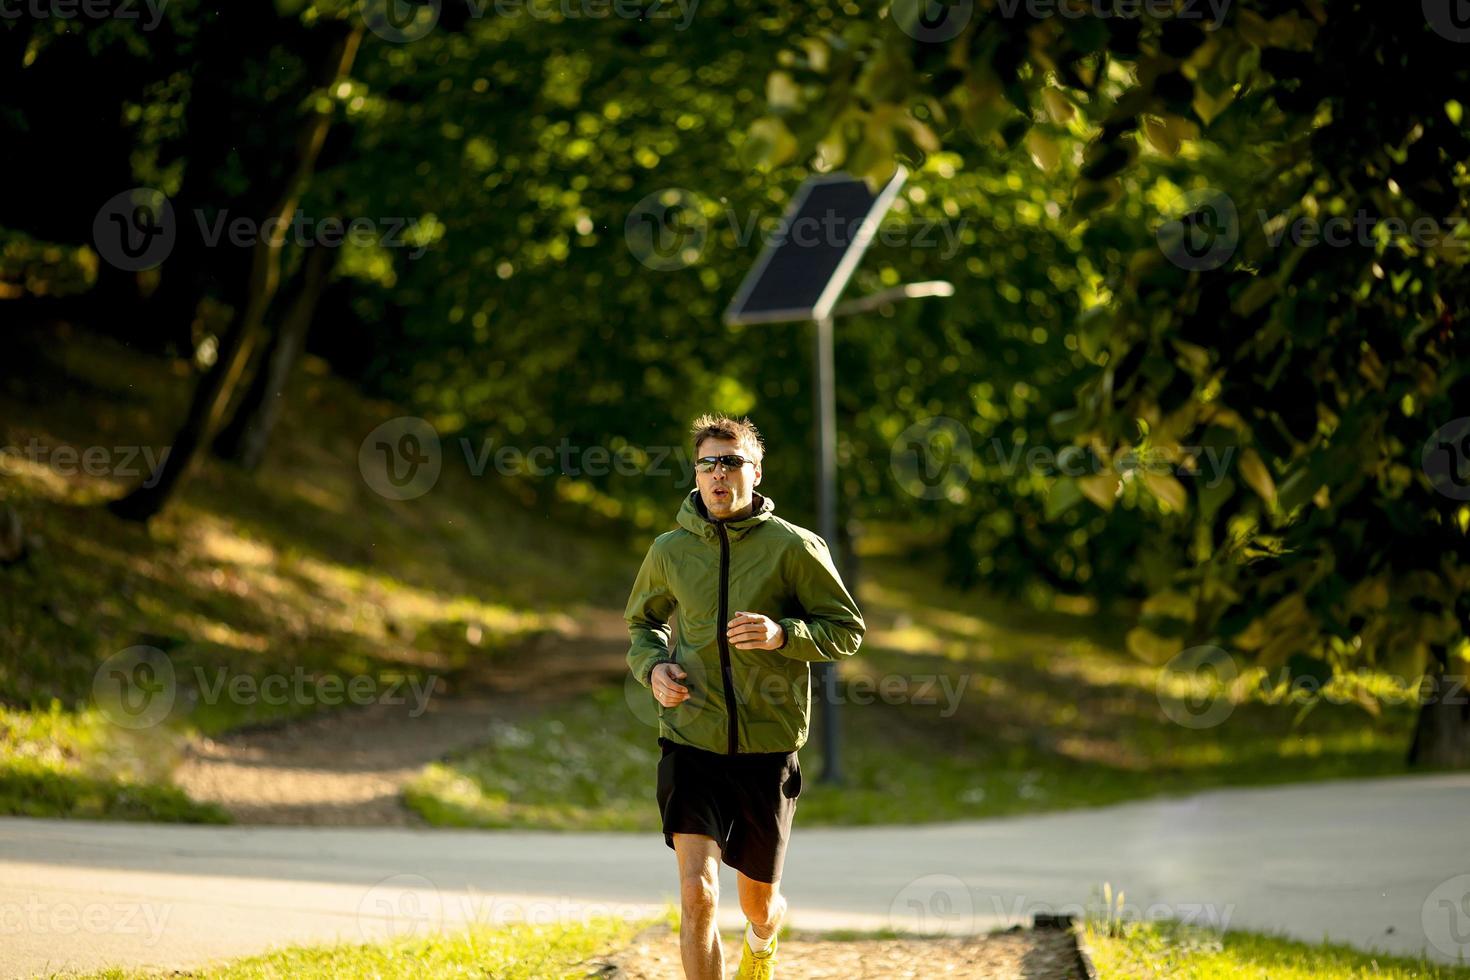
x=349, y=767
x=1041, y=954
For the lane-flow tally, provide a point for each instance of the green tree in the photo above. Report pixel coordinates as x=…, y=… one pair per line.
x=1328, y=369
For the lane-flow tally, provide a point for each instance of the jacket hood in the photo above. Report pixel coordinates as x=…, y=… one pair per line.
x=695, y=518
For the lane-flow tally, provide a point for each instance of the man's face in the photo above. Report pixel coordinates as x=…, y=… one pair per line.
x=726, y=492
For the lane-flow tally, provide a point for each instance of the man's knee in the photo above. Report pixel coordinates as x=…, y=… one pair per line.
x=699, y=889
x=762, y=905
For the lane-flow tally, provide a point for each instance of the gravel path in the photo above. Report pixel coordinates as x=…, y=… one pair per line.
x=1040, y=954
x=348, y=768
x=345, y=769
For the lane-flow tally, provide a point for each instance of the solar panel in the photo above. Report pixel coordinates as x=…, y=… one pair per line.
x=807, y=262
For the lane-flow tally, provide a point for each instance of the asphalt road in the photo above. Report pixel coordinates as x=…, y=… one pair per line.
x=1380, y=864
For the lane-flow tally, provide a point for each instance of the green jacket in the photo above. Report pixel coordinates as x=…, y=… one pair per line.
x=739, y=700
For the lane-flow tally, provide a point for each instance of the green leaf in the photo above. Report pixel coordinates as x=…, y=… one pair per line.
x=1044, y=150
x=781, y=91
x=768, y=144
x=1167, y=489
x=1064, y=494
x=1212, y=494
x=1256, y=295
x=1257, y=476
x=1061, y=110
x=1068, y=423
x=1297, y=488
x=1208, y=106
x=1101, y=488
x=1160, y=136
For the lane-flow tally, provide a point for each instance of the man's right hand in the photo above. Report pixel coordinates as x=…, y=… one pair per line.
x=666, y=687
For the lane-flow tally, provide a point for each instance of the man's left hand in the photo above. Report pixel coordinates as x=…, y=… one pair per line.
x=753, y=631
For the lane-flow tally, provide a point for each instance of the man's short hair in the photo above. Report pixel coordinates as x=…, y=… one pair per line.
x=740, y=431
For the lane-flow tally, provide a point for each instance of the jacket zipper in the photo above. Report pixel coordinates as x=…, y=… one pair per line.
x=725, y=673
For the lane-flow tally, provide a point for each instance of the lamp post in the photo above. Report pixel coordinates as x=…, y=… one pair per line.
x=824, y=391
x=796, y=279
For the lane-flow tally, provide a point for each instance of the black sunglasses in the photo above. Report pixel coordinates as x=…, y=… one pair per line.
x=706, y=464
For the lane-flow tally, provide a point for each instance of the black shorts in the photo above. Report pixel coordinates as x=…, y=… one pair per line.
x=744, y=801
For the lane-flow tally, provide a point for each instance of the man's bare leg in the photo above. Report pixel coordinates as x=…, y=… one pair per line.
x=762, y=903
x=699, y=895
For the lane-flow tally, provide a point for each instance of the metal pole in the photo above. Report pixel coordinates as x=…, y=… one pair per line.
x=825, y=391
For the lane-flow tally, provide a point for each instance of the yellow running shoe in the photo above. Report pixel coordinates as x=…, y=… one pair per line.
x=756, y=966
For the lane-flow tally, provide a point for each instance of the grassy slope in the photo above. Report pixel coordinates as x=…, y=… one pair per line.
x=297, y=570
x=302, y=566
x=1046, y=711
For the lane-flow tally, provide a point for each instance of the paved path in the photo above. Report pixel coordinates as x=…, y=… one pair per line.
x=1381, y=864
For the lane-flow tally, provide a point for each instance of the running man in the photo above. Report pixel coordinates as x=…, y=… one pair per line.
x=759, y=600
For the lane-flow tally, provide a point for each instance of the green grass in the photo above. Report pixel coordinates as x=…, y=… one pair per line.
x=1177, y=952
x=298, y=570
x=1053, y=713
x=561, y=951
x=516, y=952
x=568, y=770
x=1162, y=950
x=79, y=764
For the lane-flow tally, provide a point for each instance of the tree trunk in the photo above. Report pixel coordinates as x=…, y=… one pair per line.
x=212, y=394
x=245, y=439
x=1442, y=734
x=230, y=41
x=12, y=536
